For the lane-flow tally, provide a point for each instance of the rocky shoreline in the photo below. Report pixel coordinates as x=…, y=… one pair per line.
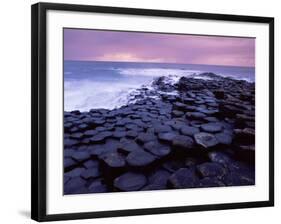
x=202, y=136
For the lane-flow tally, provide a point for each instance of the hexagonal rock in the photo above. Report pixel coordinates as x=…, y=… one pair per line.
x=119, y=134
x=188, y=100
x=132, y=126
x=101, y=136
x=130, y=181
x=97, y=187
x=207, y=111
x=151, y=187
x=86, y=141
x=67, y=126
x=81, y=156
x=199, y=101
x=140, y=158
x=177, y=125
x=75, y=172
x=74, y=185
x=188, y=130
x=132, y=134
x=91, y=173
x=173, y=165
x=145, y=137
x=195, y=115
x=70, y=142
x=114, y=160
x=76, y=112
x=82, y=127
x=159, y=177
x=112, y=143
x=98, y=122
x=68, y=152
x=241, y=167
x=162, y=128
x=77, y=135
x=179, y=105
x=212, y=127
x=184, y=178
x=101, y=129
x=239, y=175
x=190, y=108
x=66, y=179
x=167, y=136
x=90, y=133
x=68, y=163
x=196, y=123
x=177, y=113
x=157, y=148
x=96, y=150
x=224, y=138
x=211, y=119
x=209, y=169
x=139, y=123
x=182, y=141
x=128, y=145
x=211, y=182
x=206, y=140
x=74, y=129
x=219, y=157
x=91, y=163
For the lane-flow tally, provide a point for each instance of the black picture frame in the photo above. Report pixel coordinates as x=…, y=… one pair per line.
x=39, y=107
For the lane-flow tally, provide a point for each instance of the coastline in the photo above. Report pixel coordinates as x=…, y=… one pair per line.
x=92, y=84
x=203, y=136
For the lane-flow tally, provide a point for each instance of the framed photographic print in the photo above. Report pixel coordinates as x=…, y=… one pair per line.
x=139, y=111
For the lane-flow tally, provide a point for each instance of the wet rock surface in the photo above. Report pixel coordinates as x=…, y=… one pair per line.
x=130, y=181
x=202, y=136
x=206, y=140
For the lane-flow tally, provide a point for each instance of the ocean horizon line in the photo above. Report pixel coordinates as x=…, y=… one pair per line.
x=141, y=62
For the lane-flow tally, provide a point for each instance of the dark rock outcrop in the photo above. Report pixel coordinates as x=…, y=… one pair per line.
x=193, y=133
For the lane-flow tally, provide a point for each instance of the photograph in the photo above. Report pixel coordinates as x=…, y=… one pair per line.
x=157, y=111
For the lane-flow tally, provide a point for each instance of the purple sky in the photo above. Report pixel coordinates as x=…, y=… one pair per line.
x=96, y=45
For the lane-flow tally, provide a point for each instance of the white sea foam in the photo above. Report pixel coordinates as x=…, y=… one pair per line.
x=175, y=73
x=236, y=77
x=87, y=94
x=84, y=95
x=156, y=72
x=202, y=77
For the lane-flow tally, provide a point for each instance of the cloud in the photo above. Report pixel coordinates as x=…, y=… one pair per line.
x=151, y=47
x=124, y=57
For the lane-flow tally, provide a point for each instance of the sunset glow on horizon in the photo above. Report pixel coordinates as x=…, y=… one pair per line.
x=99, y=45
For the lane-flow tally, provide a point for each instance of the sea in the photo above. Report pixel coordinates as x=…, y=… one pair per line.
x=95, y=84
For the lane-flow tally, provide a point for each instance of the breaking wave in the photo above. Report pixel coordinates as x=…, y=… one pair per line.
x=85, y=94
